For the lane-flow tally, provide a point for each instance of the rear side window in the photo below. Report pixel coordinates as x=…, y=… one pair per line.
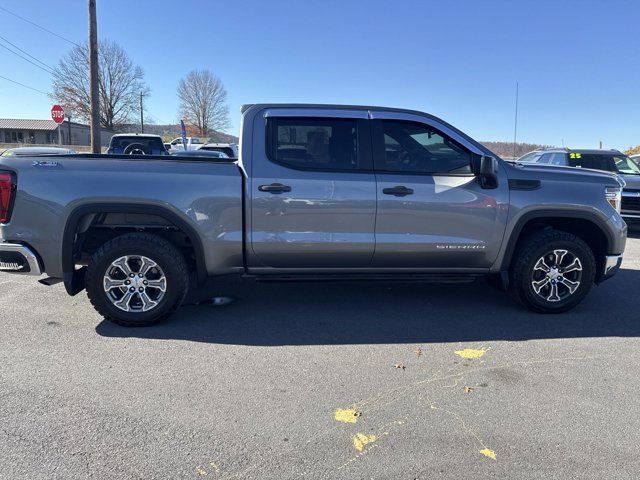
x=597, y=162
x=148, y=145
x=413, y=147
x=314, y=143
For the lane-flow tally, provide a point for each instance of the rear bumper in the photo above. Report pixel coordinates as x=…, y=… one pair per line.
x=611, y=266
x=17, y=258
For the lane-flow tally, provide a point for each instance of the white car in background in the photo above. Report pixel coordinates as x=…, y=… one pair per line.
x=193, y=143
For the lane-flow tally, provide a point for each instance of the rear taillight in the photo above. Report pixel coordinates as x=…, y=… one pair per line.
x=7, y=187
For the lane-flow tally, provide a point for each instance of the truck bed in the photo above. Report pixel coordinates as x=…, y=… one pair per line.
x=204, y=194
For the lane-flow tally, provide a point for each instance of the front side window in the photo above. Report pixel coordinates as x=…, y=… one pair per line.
x=558, y=159
x=314, y=143
x=418, y=148
x=530, y=157
x=546, y=158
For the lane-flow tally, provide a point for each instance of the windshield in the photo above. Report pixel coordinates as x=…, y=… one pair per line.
x=627, y=165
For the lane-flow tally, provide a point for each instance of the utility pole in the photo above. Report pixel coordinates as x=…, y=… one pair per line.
x=600, y=144
x=93, y=70
x=515, y=127
x=69, y=128
x=141, y=115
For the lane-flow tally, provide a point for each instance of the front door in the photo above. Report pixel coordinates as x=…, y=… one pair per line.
x=432, y=211
x=312, y=192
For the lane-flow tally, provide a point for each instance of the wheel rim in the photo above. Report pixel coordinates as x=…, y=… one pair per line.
x=557, y=275
x=134, y=283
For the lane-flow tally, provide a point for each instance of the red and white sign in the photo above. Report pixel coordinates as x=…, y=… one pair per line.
x=57, y=113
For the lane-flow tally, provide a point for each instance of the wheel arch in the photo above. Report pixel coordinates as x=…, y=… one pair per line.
x=81, y=216
x=589, y=227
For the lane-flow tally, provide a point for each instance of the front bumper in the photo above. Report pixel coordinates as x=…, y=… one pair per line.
x=611, y=266
x=17, y=258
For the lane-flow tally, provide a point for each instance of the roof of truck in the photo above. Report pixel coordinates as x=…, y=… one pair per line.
x=247, y=106
x=148, y=135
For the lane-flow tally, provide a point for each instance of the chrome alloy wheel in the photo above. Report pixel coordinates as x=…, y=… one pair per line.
x=134, y=283
x=556, y=275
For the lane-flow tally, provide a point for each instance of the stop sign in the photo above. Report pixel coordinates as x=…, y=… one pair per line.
x=57, y=113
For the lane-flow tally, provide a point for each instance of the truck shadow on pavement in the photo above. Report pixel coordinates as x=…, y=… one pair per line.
x=371, y=313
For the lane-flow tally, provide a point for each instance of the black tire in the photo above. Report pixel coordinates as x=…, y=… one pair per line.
x=170, y=263
x=541, y=246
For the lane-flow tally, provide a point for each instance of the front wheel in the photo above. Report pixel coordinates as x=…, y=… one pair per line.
x=553, y=271
x=137, y=279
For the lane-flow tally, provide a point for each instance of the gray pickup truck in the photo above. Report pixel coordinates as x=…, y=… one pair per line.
x=319, y=192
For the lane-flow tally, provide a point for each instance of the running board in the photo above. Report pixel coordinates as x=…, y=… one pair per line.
x=49, y=281
x=402, y=278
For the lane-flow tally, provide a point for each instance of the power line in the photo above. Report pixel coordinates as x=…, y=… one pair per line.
x=48, y=70
x=23, y=85
x=26, y=53
x=39, y=26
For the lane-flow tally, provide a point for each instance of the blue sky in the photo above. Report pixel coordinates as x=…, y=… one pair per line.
x=577, y=61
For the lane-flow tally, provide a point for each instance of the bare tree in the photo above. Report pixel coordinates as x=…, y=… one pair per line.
x=120, y=84
x=203, y=101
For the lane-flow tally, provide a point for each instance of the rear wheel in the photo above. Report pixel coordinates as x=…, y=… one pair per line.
x=553, y=271
x=137, y=279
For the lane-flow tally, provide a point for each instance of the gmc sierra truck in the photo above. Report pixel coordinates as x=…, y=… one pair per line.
x=319, y=192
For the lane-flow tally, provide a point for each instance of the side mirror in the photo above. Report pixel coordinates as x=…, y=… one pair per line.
x=488, y=172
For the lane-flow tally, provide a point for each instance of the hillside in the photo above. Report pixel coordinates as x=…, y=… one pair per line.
x=633, y=150
x=505, y=149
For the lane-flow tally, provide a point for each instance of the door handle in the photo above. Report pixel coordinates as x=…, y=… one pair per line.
x=275, y=188
x=398, y=191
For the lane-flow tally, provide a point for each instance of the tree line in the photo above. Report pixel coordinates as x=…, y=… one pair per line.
x=201, y=94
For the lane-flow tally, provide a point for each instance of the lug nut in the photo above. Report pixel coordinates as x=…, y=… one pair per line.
x=140, y=275
x=127, y=282
x=132, y=275
x=132, y=289
x=141, y=289
x=145, y=282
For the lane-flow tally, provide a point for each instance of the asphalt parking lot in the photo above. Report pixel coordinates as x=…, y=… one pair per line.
x=399, y=381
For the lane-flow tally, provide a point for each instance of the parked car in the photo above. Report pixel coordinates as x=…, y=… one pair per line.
x=136, y=144
x=608, y=160
x=201, y=153
x=229, y=149
x=193, y=143
x=24, y=151
x=319, y=193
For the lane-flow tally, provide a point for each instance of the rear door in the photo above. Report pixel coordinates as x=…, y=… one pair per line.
x=312, y=190
x=432, y=211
